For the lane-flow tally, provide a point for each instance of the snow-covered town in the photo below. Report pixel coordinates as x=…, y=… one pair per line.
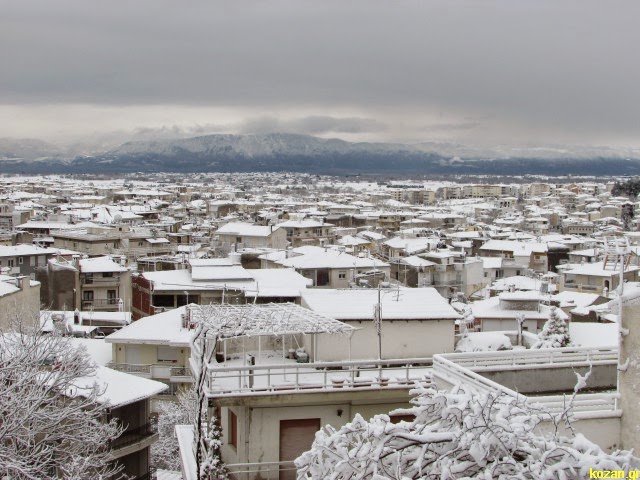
x=283, y=326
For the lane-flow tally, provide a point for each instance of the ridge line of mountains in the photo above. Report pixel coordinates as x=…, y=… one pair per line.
x=309, y=154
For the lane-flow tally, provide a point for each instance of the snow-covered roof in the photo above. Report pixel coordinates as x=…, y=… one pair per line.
x=247, y=229
x=117, y=388
x=180, y=280
x=100, y=265
x=595, y=269
x=278, y=282
x=401, y=304
x=318, y=257
x=587, y=334
x=23, y=250
x=160, y=329
x=518, y=248
x=249, y=320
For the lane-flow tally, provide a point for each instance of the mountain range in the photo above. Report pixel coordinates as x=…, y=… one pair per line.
x=304, y=153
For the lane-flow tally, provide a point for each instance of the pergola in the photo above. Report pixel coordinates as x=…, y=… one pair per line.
x=224, y=322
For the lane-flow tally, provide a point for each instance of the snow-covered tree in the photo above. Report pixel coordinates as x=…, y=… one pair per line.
x=165, y=453
x=457, y=434
x=555, y=333
x=212, y=467
x=51, y=424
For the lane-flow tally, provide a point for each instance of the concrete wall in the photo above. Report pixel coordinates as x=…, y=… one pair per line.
x=550, y=380
x=259, y=428
x=400, y=339
x=630, y=379
x=23, y=304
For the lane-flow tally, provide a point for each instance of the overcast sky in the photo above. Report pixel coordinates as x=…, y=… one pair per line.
x=475, y=72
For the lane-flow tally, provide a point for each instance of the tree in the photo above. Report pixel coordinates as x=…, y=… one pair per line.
x=212, y=466
x=52, y=422
x=165, y=453
x=555, y=333
x=457, y=434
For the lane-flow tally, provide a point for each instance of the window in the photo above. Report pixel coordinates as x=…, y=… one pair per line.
x=232, y=427
x=10, y=263
x=167, y=354
x=88, y=278
x=20, y=260
x=111, y=296
x=107, y=274
x=87, y=295
x=238, y=239
x=499, y=273
x=342, y=274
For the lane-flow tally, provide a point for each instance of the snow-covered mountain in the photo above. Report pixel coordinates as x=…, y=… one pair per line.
x=304, y=153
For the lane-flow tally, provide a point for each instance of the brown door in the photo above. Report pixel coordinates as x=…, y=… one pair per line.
x=296, y=437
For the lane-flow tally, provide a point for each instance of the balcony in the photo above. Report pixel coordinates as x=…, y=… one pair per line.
x=100, y=281
x=133, y=439
x=317, y=377
x=180, y=375
x=102, y=304
x=134, y=369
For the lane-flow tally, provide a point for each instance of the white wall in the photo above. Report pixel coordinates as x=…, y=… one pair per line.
x=400, y=339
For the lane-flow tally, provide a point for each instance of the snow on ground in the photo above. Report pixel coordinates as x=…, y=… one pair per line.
x=593, y=334
x=484, y=342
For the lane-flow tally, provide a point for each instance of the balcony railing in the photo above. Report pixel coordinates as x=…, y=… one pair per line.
x=131, y=368
x=316, y=377
x=133, y=435
x=460, y=368
x=180, y=372
x=265, y=470
x=100, y=281
x=101, y=304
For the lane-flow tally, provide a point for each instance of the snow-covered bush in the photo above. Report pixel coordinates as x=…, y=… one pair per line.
x=454, y=435
x=555, y=333
x=483, y=342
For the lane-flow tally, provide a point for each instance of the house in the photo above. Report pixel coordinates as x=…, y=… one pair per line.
x=246, y=235
x=104, y=285
x=503, y=311
x=263, y=373
x=329, y=268
x=517, y=256
x=24, y=259
x=217, y=280
x=596, y=277
x=416, y=322
x=155, y=347
x=307, y=232
x=98, y=283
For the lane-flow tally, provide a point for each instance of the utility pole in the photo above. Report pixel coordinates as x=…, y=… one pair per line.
x=377, y=321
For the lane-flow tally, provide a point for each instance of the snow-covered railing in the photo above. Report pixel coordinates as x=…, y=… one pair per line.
x=528, y=359
x=316, y=377
x=131, y=368
x=461, y=368
x=453, y=373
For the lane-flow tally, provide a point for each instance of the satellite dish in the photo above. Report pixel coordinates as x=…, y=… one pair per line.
x=117, y=218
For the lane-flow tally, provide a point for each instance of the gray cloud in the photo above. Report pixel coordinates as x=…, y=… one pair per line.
x=530, y=70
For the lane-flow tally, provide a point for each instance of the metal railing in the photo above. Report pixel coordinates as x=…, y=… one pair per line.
x=288, y=378
x=100, y=303
x=522, y=359
x=265, y=470
x=180, y=372
x=130, y=367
